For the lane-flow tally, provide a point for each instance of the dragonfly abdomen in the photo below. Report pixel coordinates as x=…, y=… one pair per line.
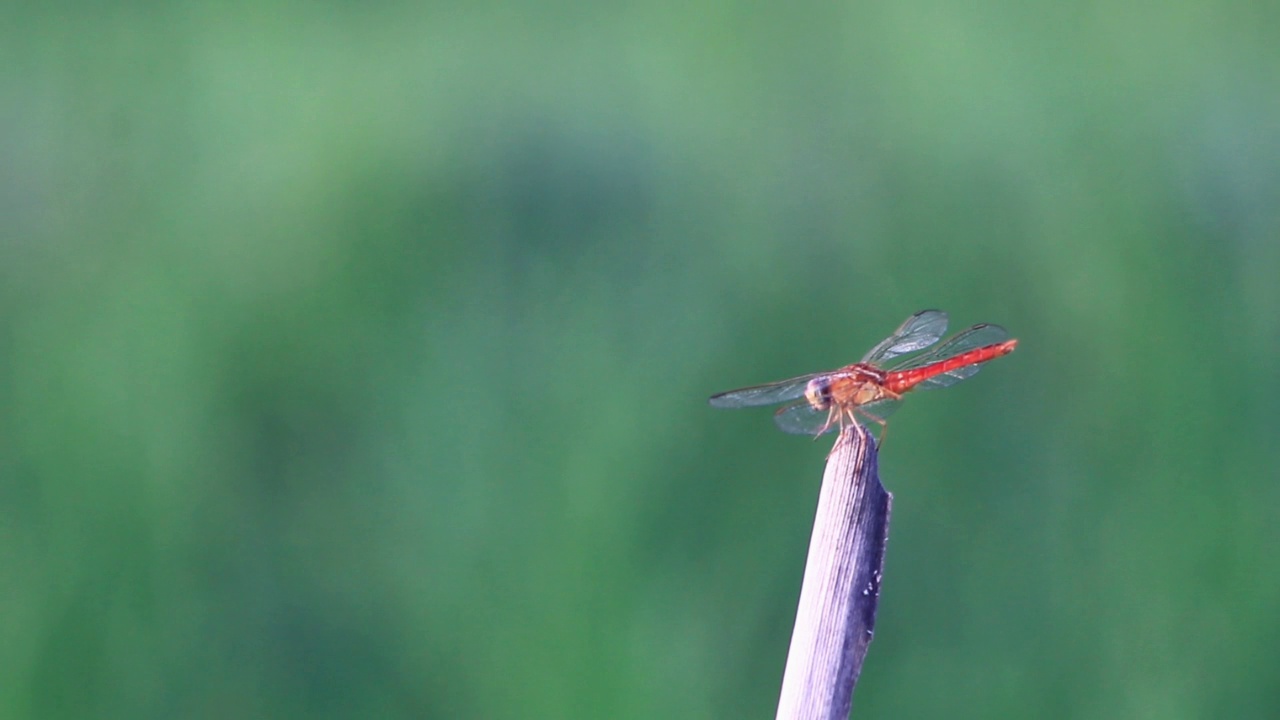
x=904, y=380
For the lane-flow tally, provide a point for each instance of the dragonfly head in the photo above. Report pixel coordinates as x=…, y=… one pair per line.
x=818, y=393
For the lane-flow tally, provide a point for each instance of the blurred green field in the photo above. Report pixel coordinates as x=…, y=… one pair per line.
x=354, y=358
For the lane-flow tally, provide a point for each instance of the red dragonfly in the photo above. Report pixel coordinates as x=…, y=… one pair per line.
x=867, y=390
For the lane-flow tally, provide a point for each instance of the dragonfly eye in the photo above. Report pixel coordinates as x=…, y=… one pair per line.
x=818, y=393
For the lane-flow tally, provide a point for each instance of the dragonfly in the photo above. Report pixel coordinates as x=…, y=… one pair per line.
x=870, y=390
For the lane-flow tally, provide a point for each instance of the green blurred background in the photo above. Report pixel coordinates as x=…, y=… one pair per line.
x=354, y=358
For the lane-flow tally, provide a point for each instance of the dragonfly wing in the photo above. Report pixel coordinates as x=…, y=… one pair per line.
x=770, y=394
x=917, y=333
x=880, y=409
x=801, y=418
x=971, y=339
x=947, y=379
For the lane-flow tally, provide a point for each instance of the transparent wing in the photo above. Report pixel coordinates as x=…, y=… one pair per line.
x=880, y=409
x=770, y=394
x=917, y=333
x=802, y=419
x=971, y=339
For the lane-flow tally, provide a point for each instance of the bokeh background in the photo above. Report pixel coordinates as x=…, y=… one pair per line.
x=354, y=357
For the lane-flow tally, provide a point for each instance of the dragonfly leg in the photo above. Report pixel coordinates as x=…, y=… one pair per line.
x=832, y=415
x=884, y=426
x=845, y=416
